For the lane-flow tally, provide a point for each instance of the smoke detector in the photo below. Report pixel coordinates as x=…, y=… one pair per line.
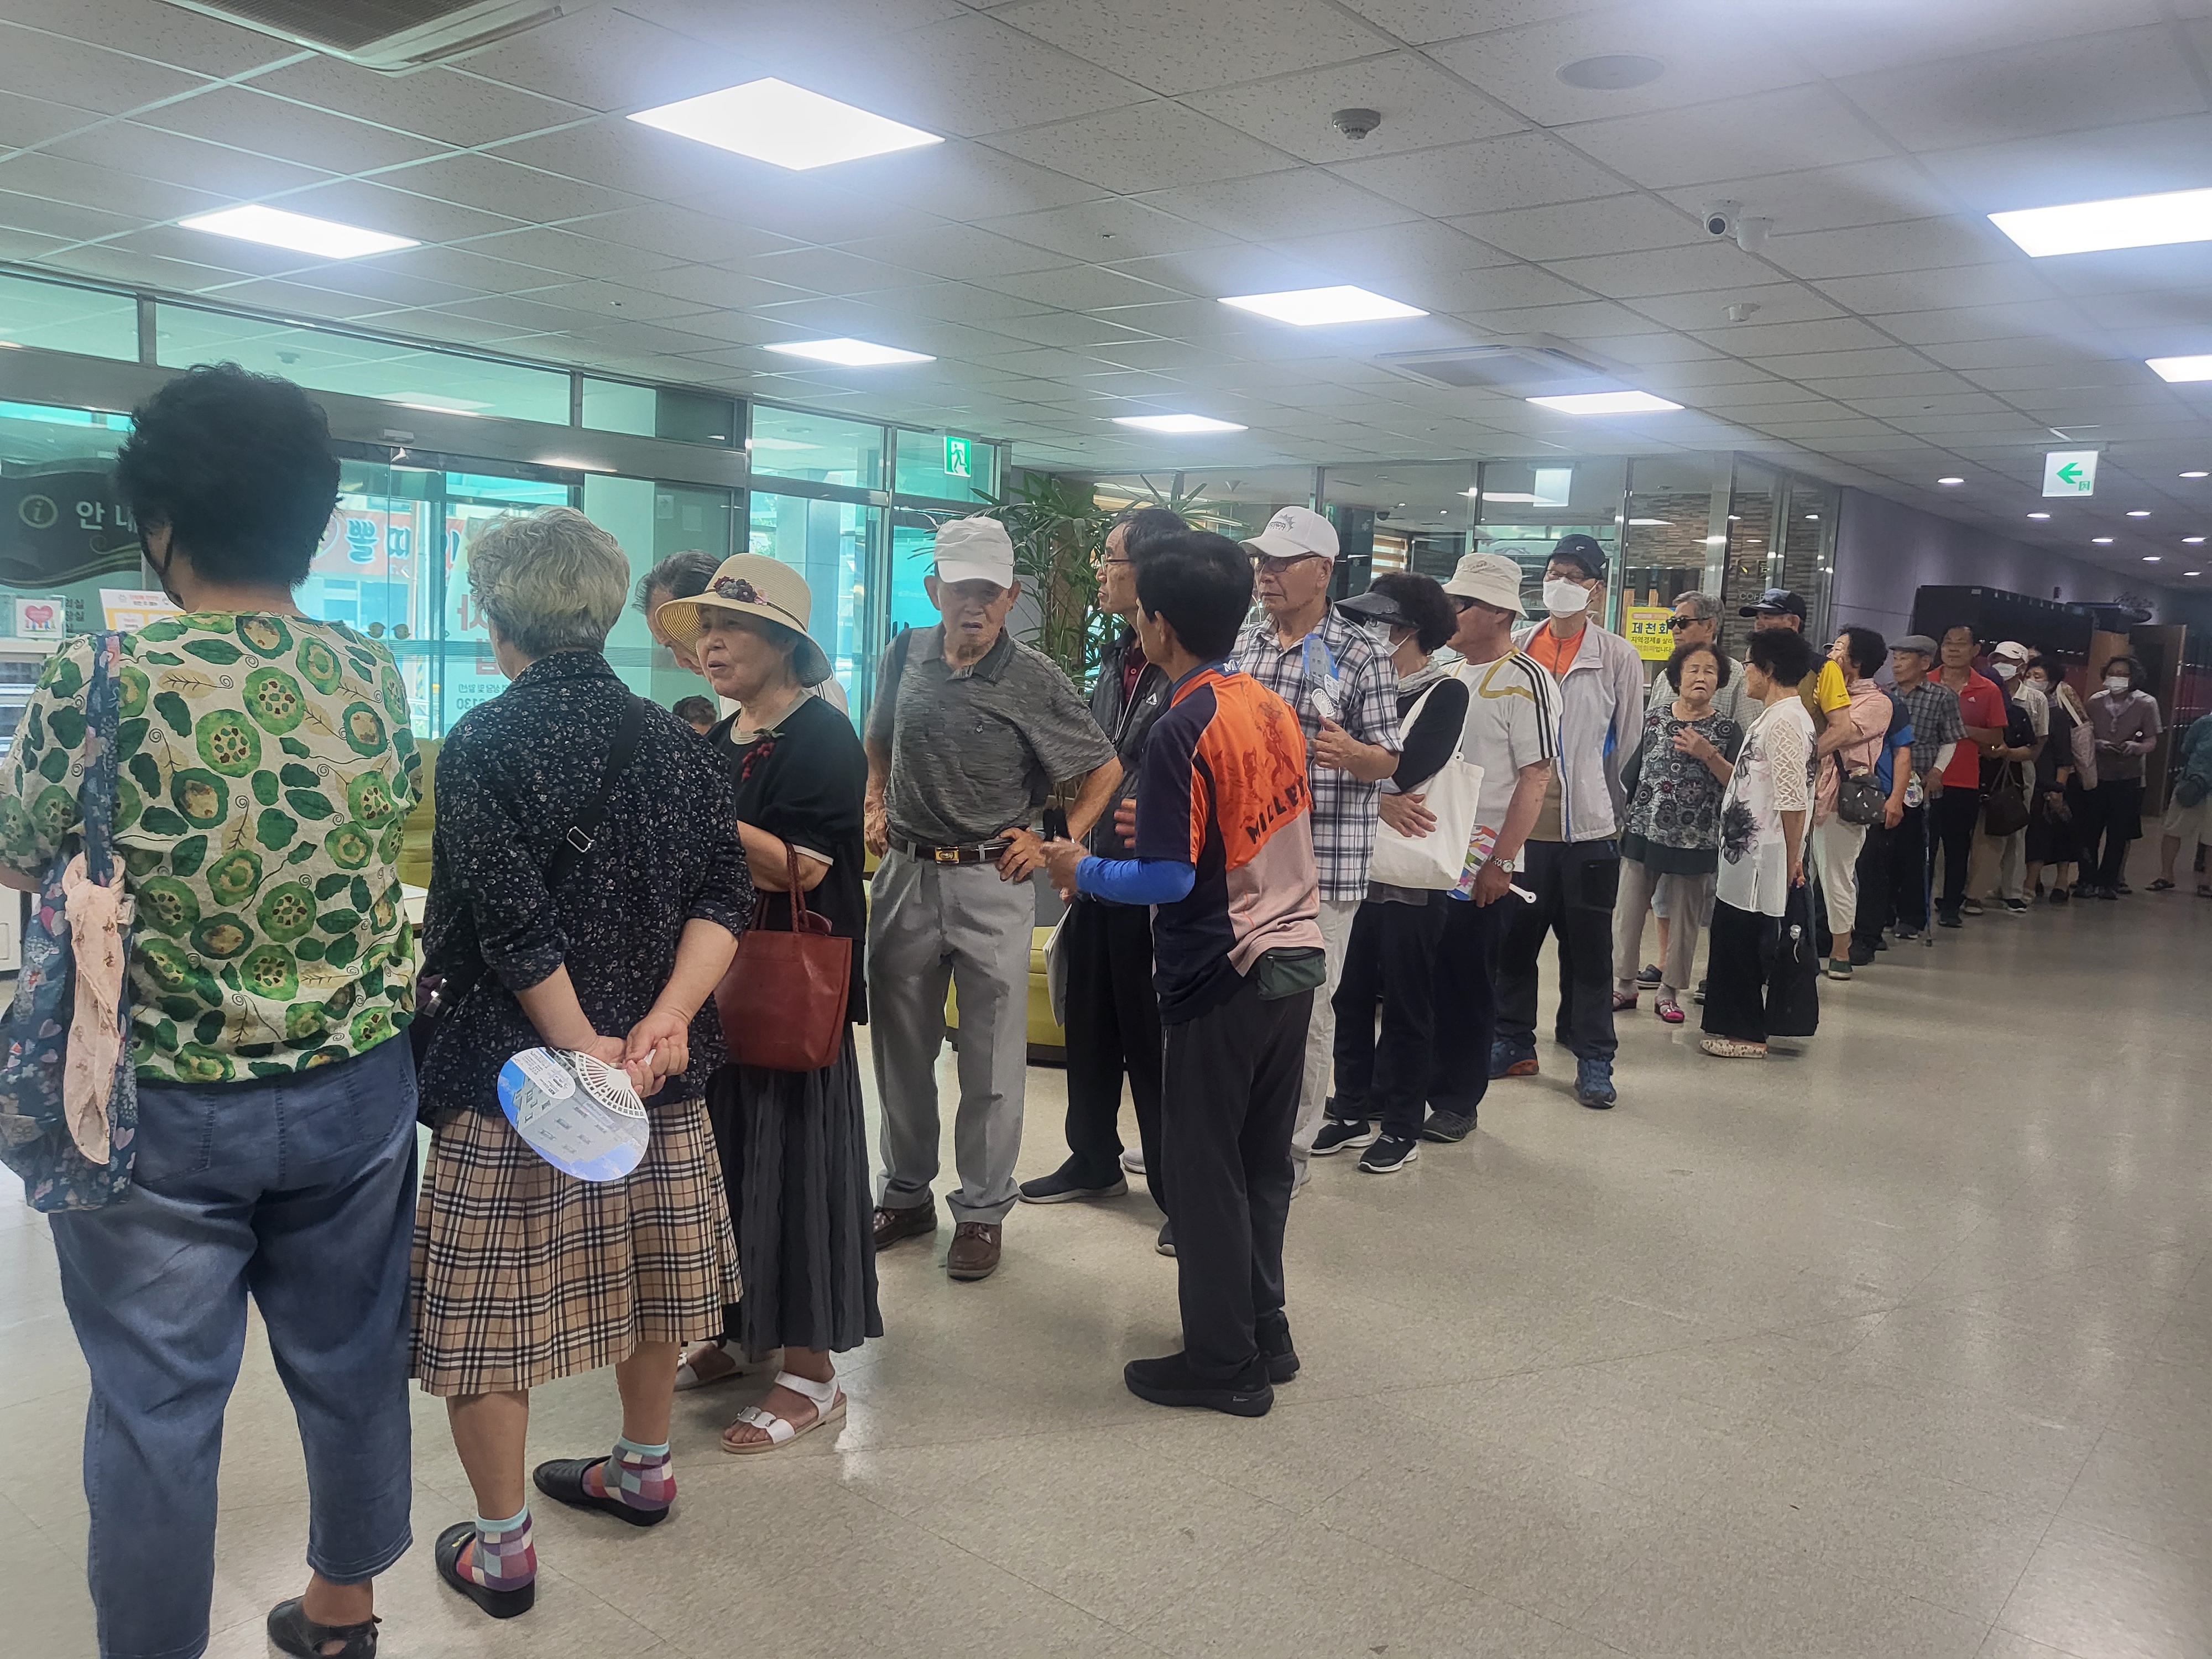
x=390, y=35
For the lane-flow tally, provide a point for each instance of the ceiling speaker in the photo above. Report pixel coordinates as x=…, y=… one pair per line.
x=381, y=34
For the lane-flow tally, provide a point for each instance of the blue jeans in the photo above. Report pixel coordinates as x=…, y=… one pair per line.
x=300, y=1190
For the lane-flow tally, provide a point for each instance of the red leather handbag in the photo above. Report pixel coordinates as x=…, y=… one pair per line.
x=783, y=999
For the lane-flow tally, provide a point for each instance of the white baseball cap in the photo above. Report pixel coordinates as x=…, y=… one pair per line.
x=2013, y=649
x=1490, y=577
x=1295, y=533
x=974, y=550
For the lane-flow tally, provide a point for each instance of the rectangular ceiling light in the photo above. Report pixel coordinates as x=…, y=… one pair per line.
x=1177, y=424
x=1310, y=306
x=850, y=353
x=1608, y=403
x=774, y=121
x=296, y=231
x=2180, y=216
x=2180, y=368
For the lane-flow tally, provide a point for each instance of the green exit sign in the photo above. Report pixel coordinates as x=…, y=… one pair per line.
x=958, y=459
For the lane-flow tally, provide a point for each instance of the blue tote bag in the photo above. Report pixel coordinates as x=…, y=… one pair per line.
x=35, y=1141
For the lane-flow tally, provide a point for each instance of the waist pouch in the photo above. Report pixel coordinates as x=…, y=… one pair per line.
x=1286, y=972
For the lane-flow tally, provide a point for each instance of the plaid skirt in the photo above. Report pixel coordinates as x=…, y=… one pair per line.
x=522, y=1274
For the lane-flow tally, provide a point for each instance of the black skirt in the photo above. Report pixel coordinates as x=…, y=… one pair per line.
x=794, y=1150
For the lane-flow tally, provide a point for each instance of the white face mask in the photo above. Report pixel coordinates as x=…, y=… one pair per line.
x=2006, y=670
x=1563, y=597
x=2117, y=685
x=1378, y=631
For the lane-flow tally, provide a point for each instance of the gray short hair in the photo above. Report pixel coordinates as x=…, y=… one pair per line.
x=548, y=581
x=1703, y=607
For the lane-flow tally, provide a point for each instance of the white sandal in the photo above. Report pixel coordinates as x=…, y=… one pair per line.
x=828, y=1407
x=688, y=1378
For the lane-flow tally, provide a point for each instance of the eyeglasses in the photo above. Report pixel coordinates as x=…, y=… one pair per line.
x=1676, y=624
x=1112, y=559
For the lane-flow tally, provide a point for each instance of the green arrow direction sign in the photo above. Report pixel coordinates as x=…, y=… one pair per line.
x=2069, y=473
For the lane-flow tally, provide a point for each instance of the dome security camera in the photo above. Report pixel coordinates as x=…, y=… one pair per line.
x=1355, y=122
x=1720, y=218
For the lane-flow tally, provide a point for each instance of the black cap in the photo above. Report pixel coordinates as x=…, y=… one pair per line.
x=1375, y=605
x=1776, y=602
x=1580, y=550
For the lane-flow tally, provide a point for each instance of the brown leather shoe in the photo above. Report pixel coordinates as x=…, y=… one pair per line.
x=974, y=1252
x=892, y=1224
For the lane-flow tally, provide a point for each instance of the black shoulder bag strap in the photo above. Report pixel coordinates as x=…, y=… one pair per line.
x=583, y=835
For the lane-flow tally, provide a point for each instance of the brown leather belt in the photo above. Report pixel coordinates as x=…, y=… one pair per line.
x=984, y=852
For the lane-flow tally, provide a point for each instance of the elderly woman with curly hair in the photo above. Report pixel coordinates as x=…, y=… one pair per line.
x=522, y=1274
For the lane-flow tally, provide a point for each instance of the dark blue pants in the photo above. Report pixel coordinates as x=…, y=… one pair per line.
x=1466, y=1003
x=1575, y=884
x=300, y=1191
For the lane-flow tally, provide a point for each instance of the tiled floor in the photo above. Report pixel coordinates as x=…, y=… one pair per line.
x=1900, y=1350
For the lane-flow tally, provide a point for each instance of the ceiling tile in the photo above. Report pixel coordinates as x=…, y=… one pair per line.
x=165, y=35
x=156, y=159
x=958, y=302
x=1269, y=206
x=1709, y=54
x=603, y=59
x=289, y=131
x=965, y=182
x=1107, y=227
x=25, y=121
x=1776, y=303
x=1083, y=288
x=820, y=270
x=65, y=221
x=503, y=186
x=1709, y=268
x=2106, y=80
x=1421, y=22
x=1872, y=249
x=976, y=76
x=2053, y=327
x=1922, y=290
x=1154, y=144
x=436, y=102
x=37, y=64
x=1796, y=127
x=1522, y=170
x=1221, y=40
x=1421, y=107
x=679, y=233
x=1842, y=365
x=1610, y=224
x=1594, y=319
x=565, y=253
x=358, y=202
x=36, y=173
x=957, y=253
x=1826, y=199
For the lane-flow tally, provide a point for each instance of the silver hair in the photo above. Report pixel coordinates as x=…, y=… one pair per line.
x=548, y=581
x=1703, y=607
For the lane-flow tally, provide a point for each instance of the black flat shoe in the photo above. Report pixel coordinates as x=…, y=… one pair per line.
x=291, y=1630
x=500, y=1604
x=563, y=1481
x=1168, y=1382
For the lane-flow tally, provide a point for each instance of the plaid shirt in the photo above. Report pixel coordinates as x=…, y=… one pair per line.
x=1344, y=808
x=1933, y=708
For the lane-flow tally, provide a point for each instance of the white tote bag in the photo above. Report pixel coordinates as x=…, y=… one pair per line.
x=1435, y=860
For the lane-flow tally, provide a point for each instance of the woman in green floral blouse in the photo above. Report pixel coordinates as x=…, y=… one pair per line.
x=267, y=770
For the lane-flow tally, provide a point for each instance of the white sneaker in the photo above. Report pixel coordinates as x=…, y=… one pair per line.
x=1132, y=1160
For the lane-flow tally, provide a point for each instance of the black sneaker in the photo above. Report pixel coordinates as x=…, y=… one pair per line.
x=1697, y=996
x=1447, y=1126
x=2016, y=907
x=1165, y=1242
x=1861, y=955
x=1906, y=935
x=1061, y=1187
x=1168, y=1380
x=1648, y=975
x=1949, y=918
x=1282, y=1357
x=1388, y=1155
x=1881, y=941
x=1339, y=1133
x=2061, y=895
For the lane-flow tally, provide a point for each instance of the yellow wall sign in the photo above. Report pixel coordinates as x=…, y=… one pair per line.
x=1649, y=633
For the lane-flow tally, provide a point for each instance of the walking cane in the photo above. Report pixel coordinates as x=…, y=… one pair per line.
x=1927, y=878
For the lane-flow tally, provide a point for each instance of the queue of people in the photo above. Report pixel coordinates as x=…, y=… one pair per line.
x=1311, y=856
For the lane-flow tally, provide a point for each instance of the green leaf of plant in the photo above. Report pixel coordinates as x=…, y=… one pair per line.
x=185, y=856
x=265, y=788
x=275, y=828
x=160, y=821
x=330, y=886
x=301, y=853
x=309, y=804
x=176, y=711
x=300, y=777
x=214, y=651
x=293, y=746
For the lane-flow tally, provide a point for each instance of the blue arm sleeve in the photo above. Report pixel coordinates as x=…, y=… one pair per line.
x=1135, y=881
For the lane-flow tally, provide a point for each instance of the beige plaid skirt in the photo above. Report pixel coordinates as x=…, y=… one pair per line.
x=523, y=1275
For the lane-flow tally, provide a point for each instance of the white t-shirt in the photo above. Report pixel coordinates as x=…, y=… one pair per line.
x=1512, y=722
x=1773, y=775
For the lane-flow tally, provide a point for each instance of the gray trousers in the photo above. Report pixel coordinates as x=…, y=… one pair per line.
x=929, y=925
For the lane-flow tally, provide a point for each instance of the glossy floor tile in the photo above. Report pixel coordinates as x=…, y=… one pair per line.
x=1899, y=1350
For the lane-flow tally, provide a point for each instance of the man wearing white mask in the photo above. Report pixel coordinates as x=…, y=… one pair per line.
x=1340, y=681
x=1573, y=860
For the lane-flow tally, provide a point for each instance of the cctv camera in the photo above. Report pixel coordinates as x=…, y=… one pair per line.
x=1355, y=122
x=1720, y=217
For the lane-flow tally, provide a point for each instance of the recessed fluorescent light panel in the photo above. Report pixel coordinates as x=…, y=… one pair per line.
x=2196, y=475
x=2192, y=541
x=2180, y=215
x=1177, y=424
x=1608, y=403
x=323, y=238
x=2038, y=515
x=774, y=121
x=2102, y=541
x=1950, y=483
x=2180, y=368
x=850, y=353
x=1308, y=307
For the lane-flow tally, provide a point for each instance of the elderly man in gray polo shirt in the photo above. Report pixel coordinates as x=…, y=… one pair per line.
x=969, y=734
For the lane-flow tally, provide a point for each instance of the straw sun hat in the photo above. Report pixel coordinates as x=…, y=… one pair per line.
x=751, y=585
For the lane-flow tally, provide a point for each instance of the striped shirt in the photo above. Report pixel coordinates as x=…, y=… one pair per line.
x=1512, y=722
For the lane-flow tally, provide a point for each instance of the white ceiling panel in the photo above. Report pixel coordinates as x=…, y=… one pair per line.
x=1282, y=206
x=957, y=252
x=1872, y=249
x=1107, y=227
x=2049, y=328
x=1715, y=268
x=1154, y=144
x=359, y=202
x=1608, y=224
x=2010, y=283
x=37, y=64
x=25, y=121
x=1796, y=127
x=289, y=131
x=522, y=192
x=1826, y=199
x=58, y=178
x=1424, y=21
x=444, y=103
x=976, y=76
x=1221, y=40
x=1708, y=54
x=2136, y=159
x=603, y=59
x=1422, y=109
x=2106, y=80
x=1898, y=33
x=1776, y=302
x=65, y=221
x=1520, y=170
x=162, y=158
